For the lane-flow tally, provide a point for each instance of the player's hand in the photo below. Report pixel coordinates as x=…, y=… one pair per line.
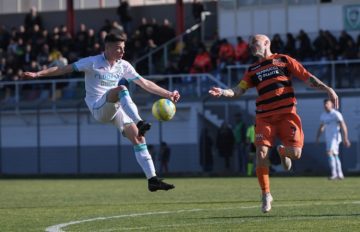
x=175, y=96
x=216, y=92
x=333, y=97
x=347, y=143
x=30, y=75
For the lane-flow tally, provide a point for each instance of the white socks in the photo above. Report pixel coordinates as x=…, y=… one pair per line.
x=129, y=106
x=335, y=166
x=144, y=159
x=338, y=167
x=332, y=164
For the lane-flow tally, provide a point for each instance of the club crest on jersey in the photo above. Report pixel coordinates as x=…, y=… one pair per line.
x=278, y=62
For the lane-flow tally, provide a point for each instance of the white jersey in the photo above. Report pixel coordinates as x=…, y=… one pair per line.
x=331, y=121
x=100, y=77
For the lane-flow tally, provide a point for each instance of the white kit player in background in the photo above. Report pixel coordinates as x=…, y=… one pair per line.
x=333, y=123
x=110, y=103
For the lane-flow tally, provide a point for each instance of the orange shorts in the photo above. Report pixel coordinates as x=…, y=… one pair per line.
x=286, y=127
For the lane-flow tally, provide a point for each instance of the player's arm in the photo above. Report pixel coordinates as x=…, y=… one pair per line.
x=151, y=87
x=237, y=91
x=345, y=133
x=299, y=71
x=315, y=83
x=319, y=132
x=53, y=71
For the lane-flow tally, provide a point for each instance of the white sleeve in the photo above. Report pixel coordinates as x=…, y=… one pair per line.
x=339, y=116
x=83, y=64
x=130, y=73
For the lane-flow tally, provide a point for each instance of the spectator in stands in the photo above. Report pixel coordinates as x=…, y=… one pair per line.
x=277, y=45
x=241, y=51
x=226, y=55
x=123, y=12
x=350, y=51
x=197, y=9
x=164, y=156
x=214, y=49
x=305, y=51
x=43, y=57
x=4, y=37
x=290, y=46
x=80, y=41
x=225, y=143
x=28, y=56
x=206, y=150
x=166, y=33
x=344, y=42
x=202, y=62
x=91, y=40
x=33, y=18
x=321, y=45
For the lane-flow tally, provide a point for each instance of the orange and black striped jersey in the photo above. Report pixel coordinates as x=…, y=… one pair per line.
x=272, y=78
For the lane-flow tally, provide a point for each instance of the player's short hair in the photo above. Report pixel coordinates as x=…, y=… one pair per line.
x=326, y=100
x=114, y=38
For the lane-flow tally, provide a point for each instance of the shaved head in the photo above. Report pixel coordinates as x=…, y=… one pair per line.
x=260, y=46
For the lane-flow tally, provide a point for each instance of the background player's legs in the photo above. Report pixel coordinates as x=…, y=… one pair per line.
x=334, y=161
x=339, y=171
x=332, y=165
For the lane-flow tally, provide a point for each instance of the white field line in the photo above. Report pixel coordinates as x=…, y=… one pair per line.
x=59, y=227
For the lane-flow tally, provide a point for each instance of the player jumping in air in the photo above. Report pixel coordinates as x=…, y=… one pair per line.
x=331, y=121
x=275, y=107
x=110, y=103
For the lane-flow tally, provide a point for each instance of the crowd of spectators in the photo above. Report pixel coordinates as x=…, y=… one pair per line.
x=31, y=47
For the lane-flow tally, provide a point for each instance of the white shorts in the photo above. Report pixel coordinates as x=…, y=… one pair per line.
x=107, y=112
x=333, y=146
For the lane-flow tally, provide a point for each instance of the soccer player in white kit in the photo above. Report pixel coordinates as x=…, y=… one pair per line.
x=110, y=103
x=332, y=121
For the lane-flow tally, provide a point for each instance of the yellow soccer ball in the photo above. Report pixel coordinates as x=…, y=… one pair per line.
x=163, y=109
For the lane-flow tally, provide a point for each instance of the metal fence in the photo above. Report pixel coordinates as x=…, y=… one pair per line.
x=22, y=94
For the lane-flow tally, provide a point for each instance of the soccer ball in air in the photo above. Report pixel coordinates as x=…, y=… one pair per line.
x=163, y=109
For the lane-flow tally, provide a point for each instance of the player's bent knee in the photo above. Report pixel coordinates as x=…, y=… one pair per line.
x=121, y=87
x=297, y=153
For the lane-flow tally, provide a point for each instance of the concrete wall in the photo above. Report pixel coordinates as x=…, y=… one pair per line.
x=280, y=18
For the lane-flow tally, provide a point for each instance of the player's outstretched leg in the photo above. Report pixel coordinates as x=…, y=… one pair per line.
x=144, y=159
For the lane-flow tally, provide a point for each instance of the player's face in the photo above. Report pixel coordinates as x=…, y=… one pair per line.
x=328, y=106
x=257, y=47
x=116, y=50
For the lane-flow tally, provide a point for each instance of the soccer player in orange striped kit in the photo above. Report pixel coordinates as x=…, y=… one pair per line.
x=276, y=115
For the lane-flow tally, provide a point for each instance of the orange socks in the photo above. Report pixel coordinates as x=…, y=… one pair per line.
x=262, y=174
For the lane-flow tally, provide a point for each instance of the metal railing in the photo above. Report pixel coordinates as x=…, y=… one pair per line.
x=17, y=95
x=338, y=74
